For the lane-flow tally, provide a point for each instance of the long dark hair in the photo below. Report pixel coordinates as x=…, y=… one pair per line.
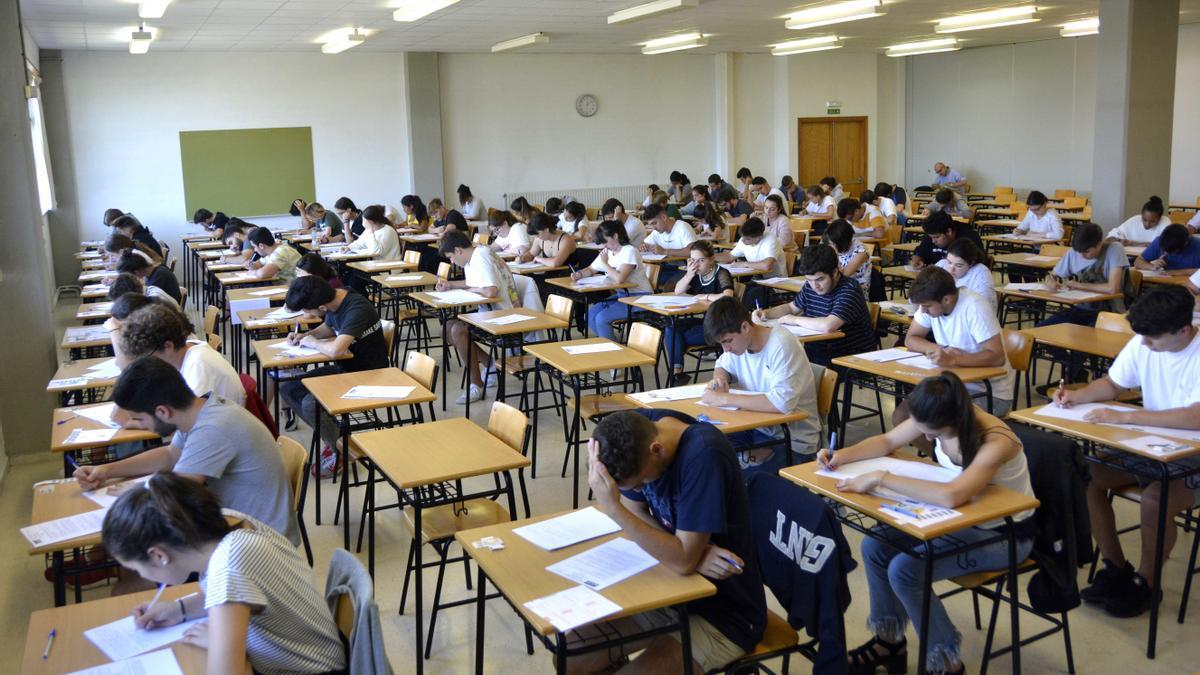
x=419, y=211
x=609, y=228
x=169, y=511
x=942, y=402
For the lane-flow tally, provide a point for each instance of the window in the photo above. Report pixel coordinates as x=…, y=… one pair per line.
x=41, y=159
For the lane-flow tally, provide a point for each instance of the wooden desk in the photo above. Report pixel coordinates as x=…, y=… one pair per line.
x=1029, y=260
x=532, y=269
x=56, y=499
x=790, y=284
x=901, y=271
x=1167, y=278
x=372, y=267
x=519, y=572
x=664, y=317
x=86, y=391
x=431, y=454
x=584, y=293
x=572, y=369
x=87, y=342
x=444, y=311
x=503, y=338
x=1084, y=216
x=97, y=275
x=276, y=294
x=271, y=361
x=1085, y=339
x=727, y=421
x=94, y=311
x=253, y=324
x=900, y=253
x=1011, y=242
x=93, y=291
x=67, y=420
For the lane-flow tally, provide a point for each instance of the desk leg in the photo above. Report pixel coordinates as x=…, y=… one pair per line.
x=923, y=638
x=1014, y=606
x=273, y=373
x=480, y=598
x=371, y=520
x=987, y=385
x=560, y=653
x=685, y=637
x=345, y=480
x=314, y=451
x=847, y=399
x=445, y=356
x=1152, y=639
x=501, y=389
x=418, y=572
x=573, y=447
x=470, y=355
x=60, y=579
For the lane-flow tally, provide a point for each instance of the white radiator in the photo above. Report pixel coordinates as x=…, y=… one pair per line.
x=630, y=195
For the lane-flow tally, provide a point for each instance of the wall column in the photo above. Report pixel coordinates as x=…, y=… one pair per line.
x=723, y=118
x=424, y=99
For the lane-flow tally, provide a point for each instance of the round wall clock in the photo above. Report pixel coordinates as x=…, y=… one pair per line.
x=587, y=105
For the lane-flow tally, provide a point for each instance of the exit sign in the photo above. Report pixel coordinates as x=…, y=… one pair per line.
x=833, y=111
x=833, y=107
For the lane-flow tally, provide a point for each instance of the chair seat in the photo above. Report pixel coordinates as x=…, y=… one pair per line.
x=977, y=579
x=596, y=405
x=779, y=635
x=516, y=365
x=407, y=314
x=442, y=522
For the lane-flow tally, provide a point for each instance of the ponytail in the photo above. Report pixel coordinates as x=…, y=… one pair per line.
x=1154, y=205
x=942, y=402
x=169, y=511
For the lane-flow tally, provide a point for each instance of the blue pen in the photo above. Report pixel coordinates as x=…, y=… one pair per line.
x=832, y=441
x=49, y=643
x=731, y=562
x=71, y=461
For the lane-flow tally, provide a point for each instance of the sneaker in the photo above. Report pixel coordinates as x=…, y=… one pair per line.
x=289, y=420
x=1107, y=578
x=752, y=459
x=327, y=464
x=1131, y=597
x=476, y=393
x=682, y=379
x=491, y=381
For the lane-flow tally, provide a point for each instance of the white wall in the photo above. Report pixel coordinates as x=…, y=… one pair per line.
x=755, y=134
x=1185, y=147
x=509, y=121
x=126, y=113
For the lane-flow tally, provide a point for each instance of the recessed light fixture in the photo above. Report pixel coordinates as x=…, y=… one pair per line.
x=523, y=41
x=674, y=43
x=139, y=40
x=838, y=12
x=1009, y=16
x=1082, y=27
x=411, y=10
x=338, y=41
x=924, y=47
x=649, y=9
x=818, y=44
x=152, y=9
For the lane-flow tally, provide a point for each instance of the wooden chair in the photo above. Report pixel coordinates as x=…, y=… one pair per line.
x=294, y=457
x=1075, y=201
x=643, y=338
x=1135, y=281
x=481, y=239
x=1053, y=250
x=1003, y=189
x=1113, y=321
x=412, y=256
x=779, y=640
x=182, y=297
x=443, y=271
x=211, y=314
x=1018, y=347
x=826, y=391
x=1180, y=217
x=789, y=262
x=1063, y=194
x=653, y=272
x=424, y=369
x=389, y=337
x=214, y=341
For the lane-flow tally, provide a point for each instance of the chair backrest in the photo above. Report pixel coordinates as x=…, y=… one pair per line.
x=423, y=368
x=1019, y=348
x=739, y=289
x=1135, y=280
x=645, y=338
x=895, y=233
x=1114, y=322
x=560, y=307
x=1180, y=217
x=1075, y=201
x=789, y=261
x=508, y=424
x=389, y=333
x=1055, y=250
x=873, y=310
x=412, y=256
x=825, y=390
x=482, y=238
x=210, y=319
x=293, y=455
x=443, y=270
x=343, y=616
x=214, y=341
x=1063, y=194
x=1002, y=189
x=652, y=273
x=1008, y=198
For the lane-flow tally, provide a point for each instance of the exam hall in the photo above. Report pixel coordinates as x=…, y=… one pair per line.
x=596, y=336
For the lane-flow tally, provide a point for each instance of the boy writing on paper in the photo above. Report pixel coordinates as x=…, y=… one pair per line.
x=1164, y=360
x=673, y=486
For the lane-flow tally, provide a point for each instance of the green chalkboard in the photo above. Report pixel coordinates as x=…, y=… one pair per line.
x=246, y=172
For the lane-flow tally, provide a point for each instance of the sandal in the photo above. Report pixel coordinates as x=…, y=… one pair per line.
x=866, y=659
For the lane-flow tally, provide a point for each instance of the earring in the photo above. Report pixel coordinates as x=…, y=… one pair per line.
x=163, y=561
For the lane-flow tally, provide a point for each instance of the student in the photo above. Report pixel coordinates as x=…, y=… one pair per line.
x=444, y=219
x=379, y=238
x=736, y=210
x=351, y=326
x=258, y=593
x=873, y=214
x=964, y=329
x=620, y=262
x=312, y=264
x=1040, y=219
x=770, y=363
x=123, y=306
x=940, y=231
x=523, y=211
x=700, y=197
x=276, y=258
x=761, y=251
x=716, y=185
x=110, y=215
x=706, y=280
x=214, y=441
x=866, y=223
x=761, y=189
x=667, y=235
x=709, y=223
x=437, y=216
x=351, y=217
x=777, y=222
x=468, y=204
x=574, y=221
x=613, y=209
x=116, y=244
x=745, y=190
x=948, y=202
x=884, y=202
x=240, y=249
x=1175, y=249
x=820, y=205
x=213, y=222
x=673, y=486
x=664, y=201
x=126, y=282
x=965, y=262
x=130, y=227
x=1164, y=362
x=948, y=178
x=650, y=190
x=830, y=186
x=1143, y=228
x=791, y=190
x=550, y=246
x=982, y=450
x=681, y=187
x=327, y=222
x=508, y=236
x=416, y=214
x=1093, y=265
x=151, y=274
x=827, y=302
x=163, y=331
x=854, y=262
x=486, y=274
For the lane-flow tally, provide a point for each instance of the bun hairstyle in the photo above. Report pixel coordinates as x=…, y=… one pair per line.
x=169, y=511
x=375, y=214
x=942, y=402
x=1153, y=205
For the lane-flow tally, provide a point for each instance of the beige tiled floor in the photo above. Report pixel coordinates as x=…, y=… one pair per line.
x=1101, y=644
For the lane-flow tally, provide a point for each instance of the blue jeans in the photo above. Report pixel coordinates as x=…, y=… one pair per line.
x=690, y=333
x=896, y=582
x=603, y=313
x=1077, y=315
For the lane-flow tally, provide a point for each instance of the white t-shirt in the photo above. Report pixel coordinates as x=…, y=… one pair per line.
x=518, y=238
x=1194, y=223
x=825, y=205
x=1195, y=278
x=567, y=224
x=1048, y=225
x=472, y=209
x=628, y=255
x=681, y=235
x=887, y=207
x=384, y=243
x=205, y=370
x=1168, y=379
x=767, y=247
x=972, y=323
x=636, y=231
x=978, y=279
x=760, y=197
x=837, y=193
x=782, y=372
x=484, y=269
x=159, y=294
x=1133, y=230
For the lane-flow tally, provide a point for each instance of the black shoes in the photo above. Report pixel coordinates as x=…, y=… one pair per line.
x=1122, y=592
x=1103, y=583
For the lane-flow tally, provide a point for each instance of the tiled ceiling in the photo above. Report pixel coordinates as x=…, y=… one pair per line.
x=574, y=26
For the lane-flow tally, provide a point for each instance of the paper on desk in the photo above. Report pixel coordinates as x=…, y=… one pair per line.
x=899, y=467
x=423, y=237
x=456, y=296
x=270, y=292
x=64, y=529
x=572, y=528
x=1076, y=412
x=654, y=257
x=738, y=269
x=101, y=413
x=85, y=436
x=161, y=662
x=283, y=313
x=366, y=391
x=671, y=394
x=800, y=331
x=576, y=350
x=67, y=382
x=103, y=370
x=920, y=362
x=914, y=512
x=604, y=565
x=95, y=288
x=1075, y=295
x=297, y=350
x=524, y=265
x=1156, y=445
x=594, y=280
x=573, y=607
x=121, y=639
x=1026, y=286
x=666, y=300
x=509, y=318
x=885, y=355
x=107, y=496
x=1041, y=259
x=1186, y=434
x=404, y=277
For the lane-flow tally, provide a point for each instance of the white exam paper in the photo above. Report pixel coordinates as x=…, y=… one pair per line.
x=101, y=413
x=107, y=496
x=64, y=529
x=604, y=565
x=507, y=319
x=576, y=350
x=672, y=394
x=404, y=277
x=456, y=296
x=122, y=639
x=885, y=355
x=366, y=391
x=920, y=362
x=161, y=662
x=573, y=607
x=900, y=467
x=568, y=529
x=270, y=292
x=84, y=436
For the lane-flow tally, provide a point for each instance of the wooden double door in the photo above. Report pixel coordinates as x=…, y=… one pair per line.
x=833, y=146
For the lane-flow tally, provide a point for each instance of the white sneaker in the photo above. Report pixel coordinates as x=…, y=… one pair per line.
x=491, y=381
x=476, y=393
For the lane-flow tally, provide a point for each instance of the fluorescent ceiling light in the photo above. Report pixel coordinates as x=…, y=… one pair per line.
x=523, y=41
x=649, y=9
x=152, y=9
x=839, y=12
x=341, y=41
x=924, y=47
x=818, y=44
x=674, y=43
x=1009, y=16
x=411, y=10
x=1082, y=27
x=139, y=41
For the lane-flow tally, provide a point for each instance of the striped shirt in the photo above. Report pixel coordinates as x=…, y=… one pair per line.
x=293, y=630
x=847, y=303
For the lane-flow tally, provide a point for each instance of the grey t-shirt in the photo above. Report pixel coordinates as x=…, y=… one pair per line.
x=234, y=451
x=1071, y=264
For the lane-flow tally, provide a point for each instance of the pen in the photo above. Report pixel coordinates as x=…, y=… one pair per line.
x=161, y=588
x=832, y=441
x=67, y=419
x=49, y=643
x=731, y=562
x=71, y=461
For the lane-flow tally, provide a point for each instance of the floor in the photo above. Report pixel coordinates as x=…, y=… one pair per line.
x=1101, y=643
